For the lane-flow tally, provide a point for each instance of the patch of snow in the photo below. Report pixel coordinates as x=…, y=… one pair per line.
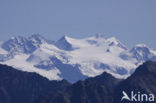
x=20, y=63
x=141, y=45
x=2, y=51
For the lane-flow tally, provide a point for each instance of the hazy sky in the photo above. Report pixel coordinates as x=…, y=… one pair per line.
x=131, y=21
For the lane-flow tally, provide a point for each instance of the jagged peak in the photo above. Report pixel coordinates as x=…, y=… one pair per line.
x=112, y=39
x=64, y=43
x=37, y=36
x=66, y=39
x=141, y=47
x=17, y=37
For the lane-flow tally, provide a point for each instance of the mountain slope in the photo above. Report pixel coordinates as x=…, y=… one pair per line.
x=143, y=81
x=107, y=89
x=93, y=90
x=24, y=87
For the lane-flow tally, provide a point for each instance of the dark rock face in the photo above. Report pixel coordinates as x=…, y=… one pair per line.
x=107, y=89
x=93, y=90
x=143, y=81
x=24, y=87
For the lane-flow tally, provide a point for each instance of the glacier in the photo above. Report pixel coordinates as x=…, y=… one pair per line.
x=73, y=59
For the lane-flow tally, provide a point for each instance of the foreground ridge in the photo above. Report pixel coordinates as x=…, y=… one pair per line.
x=107, y=89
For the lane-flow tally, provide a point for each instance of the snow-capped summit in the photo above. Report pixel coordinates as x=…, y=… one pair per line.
x=36, y=38
x=17, y=40
x=141, y=45
x=64, y=44
x=17, y=44
x=115, y=42
x=143, y=53
x=21, y=44
x=74, y=59
x=112, y=41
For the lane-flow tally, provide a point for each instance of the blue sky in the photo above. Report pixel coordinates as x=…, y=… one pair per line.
x=131, y=21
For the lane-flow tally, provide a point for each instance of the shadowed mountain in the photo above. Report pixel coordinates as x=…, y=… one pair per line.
x=143, y=81
x=93, y=90
x=107, y=89
x=24, y=87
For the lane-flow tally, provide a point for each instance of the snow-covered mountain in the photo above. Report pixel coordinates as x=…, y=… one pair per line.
x=73, y=59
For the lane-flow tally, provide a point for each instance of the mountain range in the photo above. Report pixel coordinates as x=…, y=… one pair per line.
x=107, y=89
x=17, y=86
x=74, y=59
